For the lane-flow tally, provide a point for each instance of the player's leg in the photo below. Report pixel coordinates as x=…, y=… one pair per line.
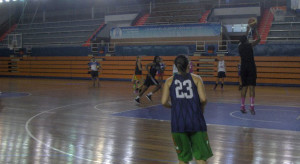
x=240, y=83
x=157, y=87
x=140, y=83
x=135, y=83
x=93, y=78
x=222, y=84
x=97, y=79
x=252, y=84
x=252, y=91
x=183, y=147
x=200, y=147
x=252, y=98
x=160, y=80
x=149, y=95
x=94, y=81
x=143, y=90
x=217, y=81
x=243, y=97
x=245, y=84
x=98, y=83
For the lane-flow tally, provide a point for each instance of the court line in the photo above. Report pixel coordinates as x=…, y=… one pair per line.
x=136, y=108
x=235, y=126
x=53, y=148
x=28, y=94
x=213, y=124
x=58, y=150
x=41, y=142
x=150, y=119
x=208, y=123
x=231, y=114
x=231, y=102
x=102, y=110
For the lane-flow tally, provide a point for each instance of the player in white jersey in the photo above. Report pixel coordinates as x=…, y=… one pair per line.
x=221, y=72
x=94, y=70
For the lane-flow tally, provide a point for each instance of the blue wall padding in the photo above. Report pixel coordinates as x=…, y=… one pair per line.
x=149, y=50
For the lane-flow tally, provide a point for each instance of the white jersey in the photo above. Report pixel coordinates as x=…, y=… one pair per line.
x=221, y=66
x=94, y=66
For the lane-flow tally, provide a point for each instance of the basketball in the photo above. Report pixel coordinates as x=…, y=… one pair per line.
x=252, y=22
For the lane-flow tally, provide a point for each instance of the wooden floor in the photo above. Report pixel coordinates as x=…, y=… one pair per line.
x=69, y=122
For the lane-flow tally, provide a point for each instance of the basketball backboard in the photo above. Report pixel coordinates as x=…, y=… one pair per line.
x=14, y=41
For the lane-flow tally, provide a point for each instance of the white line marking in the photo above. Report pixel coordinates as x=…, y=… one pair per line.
x=232, y=102
x=37, y=140
x=53, y=148
x=237, y=126
x=231, y=114
x=108, y=112
x=136, y=108
x=28, y=94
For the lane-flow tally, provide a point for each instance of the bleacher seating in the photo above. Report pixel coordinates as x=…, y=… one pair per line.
x=63, y=33
x=286, y=27
x=176, y=13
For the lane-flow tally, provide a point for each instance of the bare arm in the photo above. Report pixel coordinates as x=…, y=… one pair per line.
x=147, y=68
x=201, y=90
x=247, y=31
x=166, y=93
x=257, y=39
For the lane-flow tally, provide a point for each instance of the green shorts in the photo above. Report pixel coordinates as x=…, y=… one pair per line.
x=189, y=145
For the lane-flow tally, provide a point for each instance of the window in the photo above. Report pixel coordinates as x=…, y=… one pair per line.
x=236, y=27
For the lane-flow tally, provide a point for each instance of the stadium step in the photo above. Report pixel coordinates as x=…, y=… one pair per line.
x=204, y=17
x=8, y=32
x=265, y=25
x=142, y=20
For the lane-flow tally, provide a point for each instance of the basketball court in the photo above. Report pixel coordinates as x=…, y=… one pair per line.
x=69, y=121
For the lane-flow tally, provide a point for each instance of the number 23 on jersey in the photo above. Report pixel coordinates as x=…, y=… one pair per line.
x=180, y=93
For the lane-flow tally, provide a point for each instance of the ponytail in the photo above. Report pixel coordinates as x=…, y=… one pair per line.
x=181, y=62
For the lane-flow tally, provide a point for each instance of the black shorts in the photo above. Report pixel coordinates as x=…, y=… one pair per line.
x=248, y=75
x=150, y=81
x=221, y=74
x=94, y=74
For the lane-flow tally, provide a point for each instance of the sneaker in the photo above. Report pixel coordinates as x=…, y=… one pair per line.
x=137, y=100
x=243, y=110
x=149, y=97
x=252, y=111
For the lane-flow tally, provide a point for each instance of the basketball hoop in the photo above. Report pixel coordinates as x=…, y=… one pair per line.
x=14, y=41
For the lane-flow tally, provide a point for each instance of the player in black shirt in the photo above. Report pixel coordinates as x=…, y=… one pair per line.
x=152, y=69
x=248, y=70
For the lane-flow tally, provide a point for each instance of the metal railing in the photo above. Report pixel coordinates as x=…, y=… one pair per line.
x=201, y=46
